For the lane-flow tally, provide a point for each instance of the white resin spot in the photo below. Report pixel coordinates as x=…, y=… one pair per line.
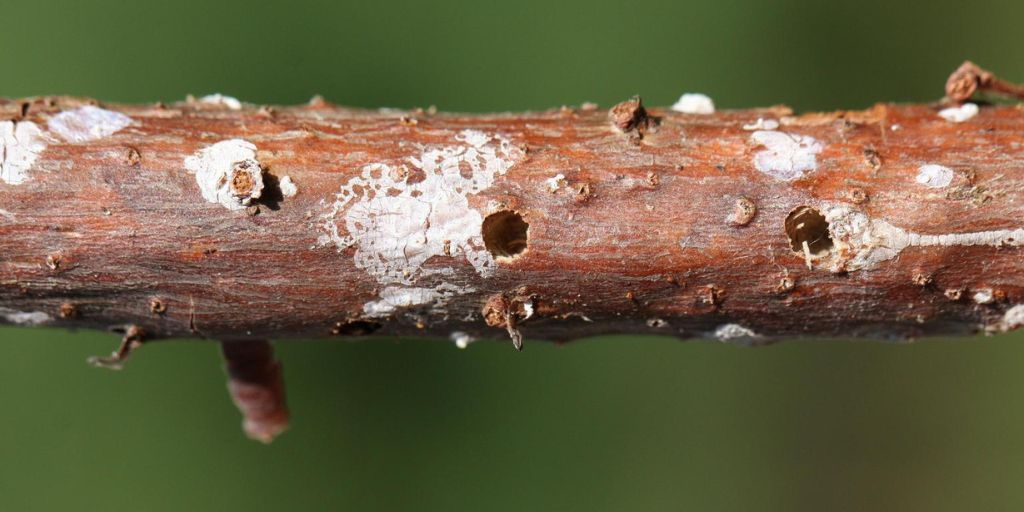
x=527, y=309
x=87, y=123
x=20, y=145
x=288, y=187
x=657, y=323
x=461, y=339
x=762, y=124
x=221, y=100
x=984, y=296
x=24, y=317
x=959, y=114
x=214, y=167
x=866, y=242
x=694, y=103
x=786, y=156
x=397, y=223
x=1014, y=318
x=734, y=332
x=934, y=176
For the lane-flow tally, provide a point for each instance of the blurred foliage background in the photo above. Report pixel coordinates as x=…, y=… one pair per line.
x=617, y=423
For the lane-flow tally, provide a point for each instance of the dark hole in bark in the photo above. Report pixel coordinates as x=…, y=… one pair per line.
x=807, y=225
x=272, y=195
x=355, y=328
x=505, y=233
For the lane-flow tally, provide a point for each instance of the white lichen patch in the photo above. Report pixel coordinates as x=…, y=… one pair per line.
x=762, y=124
x=862, y=243
x=397, y=224
x=786, y=156
x=87, y=123
x=959, y=114
x=694, y=103
x=221, y=100
x=228, y=173
x=555, y=182
x=395, y=298
x=24, y=317
x=735, y=332
x=461, y=339
x=288, y=187
x=20, y=145
x=934, y=176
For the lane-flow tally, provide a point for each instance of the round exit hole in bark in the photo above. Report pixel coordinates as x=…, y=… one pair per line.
x=504, y=233
x=808, y=231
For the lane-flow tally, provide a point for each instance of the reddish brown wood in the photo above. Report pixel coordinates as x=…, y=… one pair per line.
x=660, y=225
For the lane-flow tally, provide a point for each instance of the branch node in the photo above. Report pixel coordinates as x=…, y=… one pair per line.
x=969, y=78
x=508, y=310
x=631, y=118
x=256, y=386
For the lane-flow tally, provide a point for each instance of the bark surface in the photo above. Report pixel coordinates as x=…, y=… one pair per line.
x=201, y=220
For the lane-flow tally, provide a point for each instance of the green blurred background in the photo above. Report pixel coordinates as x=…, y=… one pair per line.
x=617, y=423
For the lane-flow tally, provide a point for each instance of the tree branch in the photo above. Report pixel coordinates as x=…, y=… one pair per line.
x=218, y=220
x=256, y=386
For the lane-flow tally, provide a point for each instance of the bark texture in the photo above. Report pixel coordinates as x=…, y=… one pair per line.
x=202, y=220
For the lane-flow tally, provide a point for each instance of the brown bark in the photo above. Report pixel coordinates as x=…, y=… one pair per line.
x=643, y=222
